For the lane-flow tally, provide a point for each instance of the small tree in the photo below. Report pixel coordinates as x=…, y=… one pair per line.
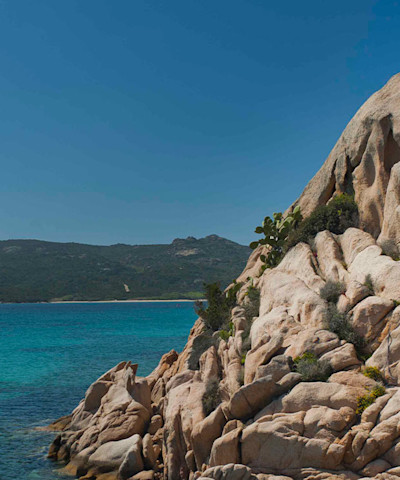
x=219, y=305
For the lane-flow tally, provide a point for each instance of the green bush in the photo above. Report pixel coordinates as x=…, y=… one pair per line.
x=390, y=248
x=339, y=323
x=211, y=397
x=231, y=294
x=276, y=231
x=219, y=305
x=374, y=373
x=252, y=303
x=331, y=291
x=224, y=335
x=311, y=369
x=369, y=283
x=337, y=216
x=369, y=398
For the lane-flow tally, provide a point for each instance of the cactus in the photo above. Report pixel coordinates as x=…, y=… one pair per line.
x=276, y=232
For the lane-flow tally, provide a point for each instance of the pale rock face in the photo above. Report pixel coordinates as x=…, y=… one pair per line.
x=149, y=454
x=204, y=433
x=280, y=445
x=184, y=410
x=367, y=316
x=133, y=461
x=280, y=289
x=375, y=467
x=277, y=368
x=392, y=407
x=384, y=272
x=305, y=395
x=229, y=472
x=239, y=318
x=209, y=367
x=387, y=356
x=301, y=263
x=342, y=357
x=330, y=258
x=362, y=159
x=225, y=449
x=314, y=340
x=352, y=242
x=155, y=424
x=391, y=215
x=251, y=398
x=277, y=320
x=261, y=355
x=110, y=455
x=353, y=378
x=355, y=292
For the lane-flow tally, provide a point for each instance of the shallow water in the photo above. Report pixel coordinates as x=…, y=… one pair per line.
x=50, y=354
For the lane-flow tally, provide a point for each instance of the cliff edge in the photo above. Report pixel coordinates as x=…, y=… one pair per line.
x=305, y=384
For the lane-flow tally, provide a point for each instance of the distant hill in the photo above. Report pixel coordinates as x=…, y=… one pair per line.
x=34, y=270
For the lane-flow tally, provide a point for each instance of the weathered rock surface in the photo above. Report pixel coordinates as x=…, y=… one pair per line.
x=267, y=422
x=362, y=162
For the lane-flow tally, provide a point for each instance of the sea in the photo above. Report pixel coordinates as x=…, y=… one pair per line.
x=51, y=353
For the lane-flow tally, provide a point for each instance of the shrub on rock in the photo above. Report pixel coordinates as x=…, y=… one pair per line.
x=337, y=216
x=211, y=397
x=339, y=324
x=311, y=369
x=219, y=305
x=369, y=398
x=331, y=291
x=374, y=373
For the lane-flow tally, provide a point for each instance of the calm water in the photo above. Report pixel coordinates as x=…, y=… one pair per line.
x=50, y=354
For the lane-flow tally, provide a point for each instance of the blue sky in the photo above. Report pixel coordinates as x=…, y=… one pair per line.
x=142, y=121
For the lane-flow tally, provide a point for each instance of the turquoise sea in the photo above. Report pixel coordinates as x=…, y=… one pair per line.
x=51, y=353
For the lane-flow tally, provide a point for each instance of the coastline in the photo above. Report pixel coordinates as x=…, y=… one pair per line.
x=179, y=300
x=125, y=301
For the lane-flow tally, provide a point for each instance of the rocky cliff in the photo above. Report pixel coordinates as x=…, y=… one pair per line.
x=242, y=407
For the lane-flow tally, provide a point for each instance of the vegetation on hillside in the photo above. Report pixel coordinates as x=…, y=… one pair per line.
x=33, y=270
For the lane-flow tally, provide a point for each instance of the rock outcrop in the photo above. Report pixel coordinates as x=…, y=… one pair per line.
x=270, y=421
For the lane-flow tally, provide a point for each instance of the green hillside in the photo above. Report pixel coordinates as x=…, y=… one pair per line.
x=33, y=270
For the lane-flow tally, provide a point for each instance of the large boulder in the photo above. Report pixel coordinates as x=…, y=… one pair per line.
x=362, y=161
x=111, y=455
x=279, y=443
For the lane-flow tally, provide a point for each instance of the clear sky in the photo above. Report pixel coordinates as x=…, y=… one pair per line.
x=139, y=121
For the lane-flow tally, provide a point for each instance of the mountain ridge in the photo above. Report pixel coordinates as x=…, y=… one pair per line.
x=37, y=270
